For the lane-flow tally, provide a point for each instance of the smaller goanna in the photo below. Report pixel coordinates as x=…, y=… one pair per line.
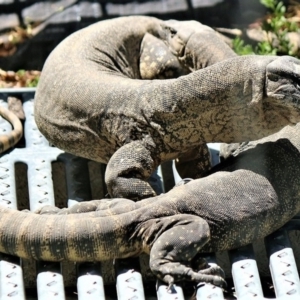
x=98, y=97
x=11, y=138
x=250, y=196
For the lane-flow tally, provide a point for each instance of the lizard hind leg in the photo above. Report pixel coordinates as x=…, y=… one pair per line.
x=172, y=252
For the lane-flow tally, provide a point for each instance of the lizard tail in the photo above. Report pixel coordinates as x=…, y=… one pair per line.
x=10, y=139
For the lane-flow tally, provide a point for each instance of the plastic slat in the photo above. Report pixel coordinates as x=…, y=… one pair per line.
x=209, y=291
x=90, y=287
x=8, y=196
x=283, y=266
x=50, y=286
x=164, y=293
x=11, y=281
x=129, y=281
x=90, y=283
x=245, y=273
x=11, y=275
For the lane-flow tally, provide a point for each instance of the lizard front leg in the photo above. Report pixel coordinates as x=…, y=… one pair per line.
x=127, y=172
x=182, y=237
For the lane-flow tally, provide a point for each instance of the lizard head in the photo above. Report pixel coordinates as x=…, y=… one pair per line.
x=196, y=45
x=283, y=87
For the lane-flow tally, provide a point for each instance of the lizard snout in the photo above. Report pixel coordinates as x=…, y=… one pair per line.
x=283, y=79
x=285, y=66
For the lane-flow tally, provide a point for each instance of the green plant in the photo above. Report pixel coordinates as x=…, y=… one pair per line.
x=276, y=26
x=240, y=48
x=28, y=79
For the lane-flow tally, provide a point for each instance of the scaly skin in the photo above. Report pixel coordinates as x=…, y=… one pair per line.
x=250, y=196
x=10, y=139
x=101, y=100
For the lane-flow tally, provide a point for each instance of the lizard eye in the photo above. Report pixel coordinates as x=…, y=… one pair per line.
x=273, y=77
x=172, y=31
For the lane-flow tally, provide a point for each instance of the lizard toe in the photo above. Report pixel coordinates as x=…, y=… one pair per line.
x=219, y=281
x=47, y=210
x=169, y=280
x=213, y=269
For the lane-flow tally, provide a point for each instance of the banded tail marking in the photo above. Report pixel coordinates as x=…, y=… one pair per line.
x=10, y=139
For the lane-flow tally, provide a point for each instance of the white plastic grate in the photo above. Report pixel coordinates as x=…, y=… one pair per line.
x=130, y=282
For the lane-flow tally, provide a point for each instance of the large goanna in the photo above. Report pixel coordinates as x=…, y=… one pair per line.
x=11, y=138
x=99, y=97
x=250, y=196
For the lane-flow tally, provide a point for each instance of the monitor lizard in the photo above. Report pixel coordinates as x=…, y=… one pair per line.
x=11, y=138
x=245, y=198
x=101, y=96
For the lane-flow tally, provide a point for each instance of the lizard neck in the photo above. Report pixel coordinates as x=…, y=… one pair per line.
x=225, y=102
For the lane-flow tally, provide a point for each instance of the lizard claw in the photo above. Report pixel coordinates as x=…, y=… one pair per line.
x=183, y=181
x=219, y=281
x=216, y=281
x=169, y=280
x=213, y=269
x=170, y=287
x=214, y=275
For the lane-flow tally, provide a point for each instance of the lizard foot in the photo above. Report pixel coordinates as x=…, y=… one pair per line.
x=213, y=269
x=128, y=170
x=172, y=253
x=214, y=275
x=198, y=278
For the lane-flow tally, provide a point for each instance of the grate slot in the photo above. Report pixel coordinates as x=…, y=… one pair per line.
x=89, y=282
x=21, y=185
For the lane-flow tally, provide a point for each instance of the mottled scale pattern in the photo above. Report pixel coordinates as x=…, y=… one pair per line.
x=10, y=139
x=245, y=198
x=166, y=87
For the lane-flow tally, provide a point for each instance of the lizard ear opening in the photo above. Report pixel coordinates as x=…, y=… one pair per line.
x=257, y=92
